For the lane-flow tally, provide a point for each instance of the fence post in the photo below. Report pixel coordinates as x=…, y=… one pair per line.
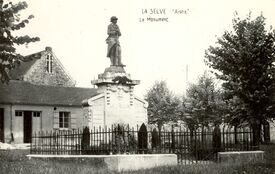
x=160, y=141
x=85, y=141
x=173, y=139
x=217, y=139
x=119, y=139
x=235, y=135
x=155, y=138
x=142, y=139
x=256, y=133
x=32, y=141
x=196, y=151
x=266, y=131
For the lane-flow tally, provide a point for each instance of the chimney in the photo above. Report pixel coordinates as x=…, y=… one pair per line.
x=48, y=48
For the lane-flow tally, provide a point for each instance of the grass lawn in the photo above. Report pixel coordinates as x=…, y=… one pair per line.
x=15, y=162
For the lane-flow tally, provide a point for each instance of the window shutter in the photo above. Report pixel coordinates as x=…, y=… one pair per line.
x=73, y=121
x=56, y=120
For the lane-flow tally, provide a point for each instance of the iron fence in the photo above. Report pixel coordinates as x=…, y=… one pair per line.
x=190, y=146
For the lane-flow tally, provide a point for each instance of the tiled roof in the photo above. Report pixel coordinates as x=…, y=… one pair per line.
x=20, y=70
x=20, y=92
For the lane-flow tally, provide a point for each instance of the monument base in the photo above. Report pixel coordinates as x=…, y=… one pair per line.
x=115, y=69
x=115, y=102
x=241, y=156
x=119, y=162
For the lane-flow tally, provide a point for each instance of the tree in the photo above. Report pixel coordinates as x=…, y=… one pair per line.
x=10, y=22
x=163, y=106
x=204, y=103
x=243, y=59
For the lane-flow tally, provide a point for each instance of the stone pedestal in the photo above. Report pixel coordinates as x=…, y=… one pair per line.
x=115, y=102
x=116, y=163
x=241, y=156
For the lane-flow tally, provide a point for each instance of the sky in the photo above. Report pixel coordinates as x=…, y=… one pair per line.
x=151, y=51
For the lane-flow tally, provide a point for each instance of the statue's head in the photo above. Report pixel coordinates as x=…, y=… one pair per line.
x=113, y=18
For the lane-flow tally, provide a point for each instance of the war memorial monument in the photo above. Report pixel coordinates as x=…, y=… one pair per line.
x=115, y=101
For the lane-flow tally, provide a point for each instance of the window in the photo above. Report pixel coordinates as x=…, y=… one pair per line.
x=18, y=113
x=49, y=63
x=36, y=113
x=64, y=119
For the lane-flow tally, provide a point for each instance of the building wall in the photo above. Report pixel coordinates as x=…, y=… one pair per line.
x=14, y=125
x=97, y=112
x=76, y=114
x=7, y=122
x=38, y=73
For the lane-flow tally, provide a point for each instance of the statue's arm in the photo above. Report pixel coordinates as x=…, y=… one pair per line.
x=118, y=32
x=111, y=30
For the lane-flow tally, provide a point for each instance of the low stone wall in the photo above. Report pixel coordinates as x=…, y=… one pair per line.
x=269, y=150
x=118, y=162
x=242, y=157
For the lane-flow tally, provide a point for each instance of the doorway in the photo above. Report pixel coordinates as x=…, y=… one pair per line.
x=27, y=126
x=2, y=125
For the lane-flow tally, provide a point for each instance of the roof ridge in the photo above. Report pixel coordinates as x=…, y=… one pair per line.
x=34, y=53
x=52, y=86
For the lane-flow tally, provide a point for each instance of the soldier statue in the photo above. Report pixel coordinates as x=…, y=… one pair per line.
x=114, y=50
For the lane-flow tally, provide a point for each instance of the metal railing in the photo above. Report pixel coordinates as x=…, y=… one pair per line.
x=190, y=146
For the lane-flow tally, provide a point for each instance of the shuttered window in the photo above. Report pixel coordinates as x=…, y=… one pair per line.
x=64, y=119
x=55, y=120
x=73, y=121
